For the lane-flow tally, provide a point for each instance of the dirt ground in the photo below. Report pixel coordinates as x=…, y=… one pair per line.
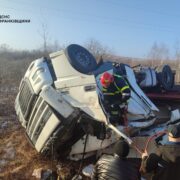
x=18, y=158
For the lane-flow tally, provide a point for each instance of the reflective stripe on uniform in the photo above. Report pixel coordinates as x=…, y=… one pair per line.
x=121, y=77
x=111, y=94
x=114, y=112
x=126, y=94
x=117, y=75
x=120, y=90
x=124, y=88
x=103, y=89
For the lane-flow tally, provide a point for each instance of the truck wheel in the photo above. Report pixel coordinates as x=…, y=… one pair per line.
x=81, y=59
x=113, y=168
x=166, y=78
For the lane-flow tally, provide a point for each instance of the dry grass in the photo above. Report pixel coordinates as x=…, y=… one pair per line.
x=13, y=140
x=20, y=157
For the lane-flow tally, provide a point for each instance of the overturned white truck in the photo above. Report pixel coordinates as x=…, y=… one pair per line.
x=58, y=104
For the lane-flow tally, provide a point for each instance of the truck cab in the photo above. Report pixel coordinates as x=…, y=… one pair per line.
x=58, y=104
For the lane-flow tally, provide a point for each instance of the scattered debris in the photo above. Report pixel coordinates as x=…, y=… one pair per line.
x=88, y=170
x=49, y=174
x=9, y=153
x=4, y=125
x=3, y=162
x=37, y=173
x=77, y=177
x=43, y=174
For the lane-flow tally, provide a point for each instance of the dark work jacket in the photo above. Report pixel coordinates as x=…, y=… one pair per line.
x=117, y=92
x=164, y=164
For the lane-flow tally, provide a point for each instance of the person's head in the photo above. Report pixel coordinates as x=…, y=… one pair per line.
x=174, y=133
x=106, y=79
x=121, y=148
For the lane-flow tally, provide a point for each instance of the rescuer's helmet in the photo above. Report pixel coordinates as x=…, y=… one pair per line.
x=106, y=79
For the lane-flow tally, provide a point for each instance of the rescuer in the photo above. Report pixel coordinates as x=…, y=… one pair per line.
x=165, y=163
x=114, y=94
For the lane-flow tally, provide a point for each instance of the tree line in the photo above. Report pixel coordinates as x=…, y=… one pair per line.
x=13, y=63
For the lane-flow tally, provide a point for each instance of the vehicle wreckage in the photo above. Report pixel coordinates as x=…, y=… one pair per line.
x=59, y=108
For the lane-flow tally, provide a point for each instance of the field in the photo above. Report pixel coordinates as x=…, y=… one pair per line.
x=18, y=159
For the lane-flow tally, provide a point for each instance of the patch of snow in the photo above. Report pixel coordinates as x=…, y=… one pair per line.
x=77, y=177
x=4, y=125
x=47, y=174
x=3, y=162
x=9, y=144
x=9, y=153
x=37, y=173
x=88, y=170
x=44, y=174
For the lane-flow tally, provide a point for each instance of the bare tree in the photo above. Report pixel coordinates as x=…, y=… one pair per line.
x=158, y=54
x=177, y=51
x=177, y=62
x=45, y=38
x=13, y=63
x=97, y=49
x=53, y=47
x=56, y=46
x=4, y=48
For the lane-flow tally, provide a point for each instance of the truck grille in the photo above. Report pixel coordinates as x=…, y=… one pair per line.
x=35, y=120
x=35, y=108
x=26, y=99
x=45, y=117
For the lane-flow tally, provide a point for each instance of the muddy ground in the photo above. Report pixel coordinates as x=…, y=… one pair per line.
x=18, y=158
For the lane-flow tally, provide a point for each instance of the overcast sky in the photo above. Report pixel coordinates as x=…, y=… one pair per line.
x=129, y=27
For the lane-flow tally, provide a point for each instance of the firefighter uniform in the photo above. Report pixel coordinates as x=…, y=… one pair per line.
x=114, y=96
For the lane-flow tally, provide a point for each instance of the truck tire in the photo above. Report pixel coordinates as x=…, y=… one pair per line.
x=113, y=168
x=81, y=59
x=166, y=78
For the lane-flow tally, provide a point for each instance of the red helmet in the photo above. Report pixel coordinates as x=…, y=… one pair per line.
x=106, y=79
